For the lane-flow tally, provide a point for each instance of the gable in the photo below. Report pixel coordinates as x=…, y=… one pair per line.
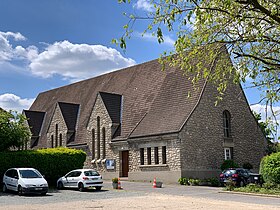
x=35, y=121
x=113, y=103
x=70, y=114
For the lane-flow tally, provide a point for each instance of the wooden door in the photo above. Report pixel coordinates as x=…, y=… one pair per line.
x=125, y=163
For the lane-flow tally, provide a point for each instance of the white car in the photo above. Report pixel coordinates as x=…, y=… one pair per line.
x=81, y=179
x=24, y=180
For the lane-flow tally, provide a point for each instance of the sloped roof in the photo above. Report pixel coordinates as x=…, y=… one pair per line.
x=70, y=114
x=113, y=103
x=35, y=121
x=153, y=101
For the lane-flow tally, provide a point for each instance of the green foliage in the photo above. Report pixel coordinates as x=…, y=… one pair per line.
x=52, y=162
x=115, y=180
x=194, y=182
x=230, y=185
x=228, y=164
x=248, y=29
x=14, y=133
x=270, y=168
x=247, y=165
x=214, y=182
x=254, y=188
x=183, y=181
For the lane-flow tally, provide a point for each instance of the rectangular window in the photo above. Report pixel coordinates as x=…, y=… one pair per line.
x=156, y=155
x=164, y=155
x=149, y=155
x=142, y=156
x=227, y=154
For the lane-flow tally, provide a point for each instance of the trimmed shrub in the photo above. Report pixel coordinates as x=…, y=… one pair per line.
x=52, y=162
x=270, y=168
x=228, y=164
x=183, y=181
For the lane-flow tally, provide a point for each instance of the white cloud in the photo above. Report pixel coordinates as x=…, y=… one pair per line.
x=10, y=101
x=76, y=61
x=144, y=5
x=150, y=37
x=17, y=36
x=8, y=53
x=72, y=61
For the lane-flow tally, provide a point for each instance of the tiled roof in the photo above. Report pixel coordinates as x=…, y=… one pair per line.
x=70, y=114
x=113, y=103
x=35, y=121
x=153, y=101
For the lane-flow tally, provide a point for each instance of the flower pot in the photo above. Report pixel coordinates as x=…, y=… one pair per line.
x=115, y=185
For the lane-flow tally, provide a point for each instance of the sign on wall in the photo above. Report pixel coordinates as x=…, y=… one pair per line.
x=110, y=164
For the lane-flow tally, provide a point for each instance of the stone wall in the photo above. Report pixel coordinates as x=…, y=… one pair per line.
x=62, y=129
x=168, y=172
x=99, y=110
x=203, y=139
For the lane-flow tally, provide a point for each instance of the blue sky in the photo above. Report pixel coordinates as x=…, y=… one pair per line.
x=48, y=44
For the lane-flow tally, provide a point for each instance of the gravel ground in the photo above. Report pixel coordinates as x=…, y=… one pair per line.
x=139, y=196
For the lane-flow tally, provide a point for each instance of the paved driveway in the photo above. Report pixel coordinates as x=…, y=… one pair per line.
x=137, y=195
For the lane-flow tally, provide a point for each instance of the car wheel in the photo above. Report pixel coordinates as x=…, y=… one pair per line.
x=60, y=186
x=20, y=192
x=98, y=188
x=241, y=184
x=4, y=189
x=81, y=187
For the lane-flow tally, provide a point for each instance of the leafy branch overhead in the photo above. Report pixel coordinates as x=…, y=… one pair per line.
x=249, y=29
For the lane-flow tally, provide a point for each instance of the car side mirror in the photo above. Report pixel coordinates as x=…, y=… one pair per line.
x=16, y=177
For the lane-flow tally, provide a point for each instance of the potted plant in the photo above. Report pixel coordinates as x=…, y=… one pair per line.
x=115, y=182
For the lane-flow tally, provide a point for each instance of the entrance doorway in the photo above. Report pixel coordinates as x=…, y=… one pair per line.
x=125, y=163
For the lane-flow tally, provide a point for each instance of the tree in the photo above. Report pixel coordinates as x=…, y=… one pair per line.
x=13, y=130
x=269, y=129
x=250, y=30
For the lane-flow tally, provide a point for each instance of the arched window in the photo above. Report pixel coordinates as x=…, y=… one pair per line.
x=98, y=138
x=103, y=143
x=93, y=143
x=60, y=139
x=52, y=141
x=56, y=135
x=226, y=123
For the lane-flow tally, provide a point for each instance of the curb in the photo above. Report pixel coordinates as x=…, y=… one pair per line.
x=252, y=194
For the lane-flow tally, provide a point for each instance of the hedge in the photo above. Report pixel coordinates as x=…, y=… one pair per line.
x=52, y=162
x=270, y=168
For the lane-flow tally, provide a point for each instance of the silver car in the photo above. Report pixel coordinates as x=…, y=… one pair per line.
x=81, y=179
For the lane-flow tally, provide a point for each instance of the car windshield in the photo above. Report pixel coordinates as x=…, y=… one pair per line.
x=91, y=173
x=29, y=174
x=229, y=172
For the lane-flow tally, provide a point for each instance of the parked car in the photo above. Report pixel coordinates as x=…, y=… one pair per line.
x=81, y=179
x=239, y=176
x=254, y=177
x=24, y=180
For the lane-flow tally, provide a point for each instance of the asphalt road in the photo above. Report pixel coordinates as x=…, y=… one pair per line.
x=135, y=190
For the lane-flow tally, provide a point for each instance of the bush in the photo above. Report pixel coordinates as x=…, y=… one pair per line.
x=228, y=164
x=230, y=185
x=247, y=165
x=115, y=180
x=214, y=182
x=194, y=181
x=270, y=168
x=51, y=162
x=183, y=181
